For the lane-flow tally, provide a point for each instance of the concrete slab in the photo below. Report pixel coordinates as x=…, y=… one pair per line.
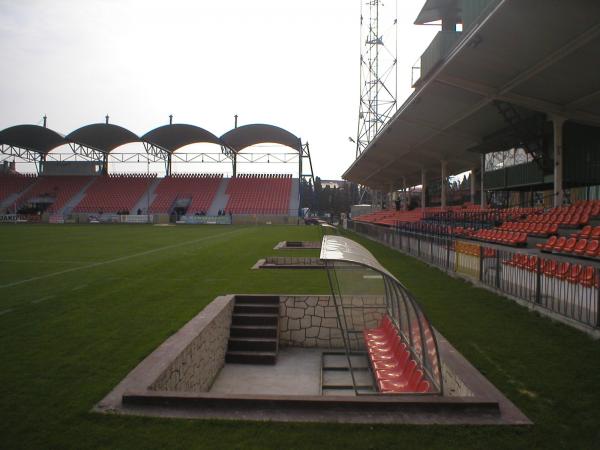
x=297, y=372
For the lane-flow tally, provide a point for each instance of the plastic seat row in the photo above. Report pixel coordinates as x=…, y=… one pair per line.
x=573, y=273
x=256, y=194
x=200, y=189
x=533, y=228
x=114, y=193
x=588, y=232
x=394, y=369
x=572, y=246
x=504, y=237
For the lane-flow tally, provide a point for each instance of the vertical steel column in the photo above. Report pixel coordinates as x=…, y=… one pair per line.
x=443, y=190
x=473, y=185
x=482, y=201
x=538, y=282
x=557, y=123
x=423, y=189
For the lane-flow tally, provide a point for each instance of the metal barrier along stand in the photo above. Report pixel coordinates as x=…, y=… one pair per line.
x=567, y=287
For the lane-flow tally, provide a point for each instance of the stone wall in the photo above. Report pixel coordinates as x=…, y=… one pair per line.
x=312, y=321
x=197, y=351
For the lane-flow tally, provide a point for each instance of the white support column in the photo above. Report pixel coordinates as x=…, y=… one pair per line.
x=558, y=122
x=473, y=185
x=404, y=195
x=423, y=188
x=444, y=176
x=482, y=191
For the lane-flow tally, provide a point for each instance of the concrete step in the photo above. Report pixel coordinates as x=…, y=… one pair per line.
x=220, y=200
x=256, y=308
x=254, y=319
x=264, y=331
x=76, y=199
x=147, y=197
x=250, y=299
x=254, y=344
x=248, y=357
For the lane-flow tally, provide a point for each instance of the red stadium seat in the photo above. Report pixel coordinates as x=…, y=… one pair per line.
x=592, y=248
x=549, y=245
x=550, y=268
x=569, y=245
x=584, y=233
x=580, y=247
x=589, y=277
x=574, y=273
x=563, y=270
x=559, y=244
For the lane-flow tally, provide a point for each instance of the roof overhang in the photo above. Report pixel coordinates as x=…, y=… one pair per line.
x=434, y=10
x=174, y=136
x=103, y=137
x=540, y=60
x=248, y=135
x=33, y=138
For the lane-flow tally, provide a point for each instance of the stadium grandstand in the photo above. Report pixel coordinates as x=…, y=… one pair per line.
x=516, y=115
x=77, y=186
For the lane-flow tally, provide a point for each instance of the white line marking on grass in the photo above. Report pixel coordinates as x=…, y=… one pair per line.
x=81, y=286
x=43, y=299
x=44, y=261
x=6, y=311
x=119, y=259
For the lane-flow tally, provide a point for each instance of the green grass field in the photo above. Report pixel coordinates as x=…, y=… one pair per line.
x=80, y=306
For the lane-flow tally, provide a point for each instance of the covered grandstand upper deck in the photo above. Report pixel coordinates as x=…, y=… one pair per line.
x=512, y=62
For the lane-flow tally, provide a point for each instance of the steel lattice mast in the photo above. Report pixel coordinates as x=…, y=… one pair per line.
x=378, y=72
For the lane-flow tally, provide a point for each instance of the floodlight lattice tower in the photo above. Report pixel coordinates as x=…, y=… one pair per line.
x=378, y=70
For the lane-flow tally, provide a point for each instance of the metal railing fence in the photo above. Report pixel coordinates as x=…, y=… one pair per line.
x=567, y=289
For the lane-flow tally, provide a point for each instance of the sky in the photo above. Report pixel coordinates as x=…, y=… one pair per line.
x=294, y=64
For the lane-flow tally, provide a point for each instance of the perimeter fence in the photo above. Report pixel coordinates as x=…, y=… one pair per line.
x=567, y=287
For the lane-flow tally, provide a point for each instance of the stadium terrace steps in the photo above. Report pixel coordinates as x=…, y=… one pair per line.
x=200, y=189
x=254, y=337
x=147, y=197
x=221, y=198
x=295, y=195
x=76, y=199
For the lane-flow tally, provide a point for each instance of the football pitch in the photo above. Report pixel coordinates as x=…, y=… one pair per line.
x=80, y=306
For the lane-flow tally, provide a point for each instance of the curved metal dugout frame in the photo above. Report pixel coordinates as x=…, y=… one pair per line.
x=412, y=323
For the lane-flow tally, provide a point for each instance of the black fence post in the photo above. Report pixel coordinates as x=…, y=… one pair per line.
x=431, y=248
x=481, y=265
x=597, y=280
x=447, y=253
x=538, y=281
x=497, y=269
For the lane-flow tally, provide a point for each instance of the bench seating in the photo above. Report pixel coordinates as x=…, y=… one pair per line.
x=394, y=369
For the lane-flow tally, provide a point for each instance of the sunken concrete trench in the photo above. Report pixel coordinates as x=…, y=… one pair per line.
x=240, y=359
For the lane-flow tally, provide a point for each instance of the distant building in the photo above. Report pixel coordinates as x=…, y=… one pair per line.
x=333, y=184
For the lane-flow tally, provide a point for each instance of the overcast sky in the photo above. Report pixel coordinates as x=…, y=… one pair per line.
x=289, y=63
